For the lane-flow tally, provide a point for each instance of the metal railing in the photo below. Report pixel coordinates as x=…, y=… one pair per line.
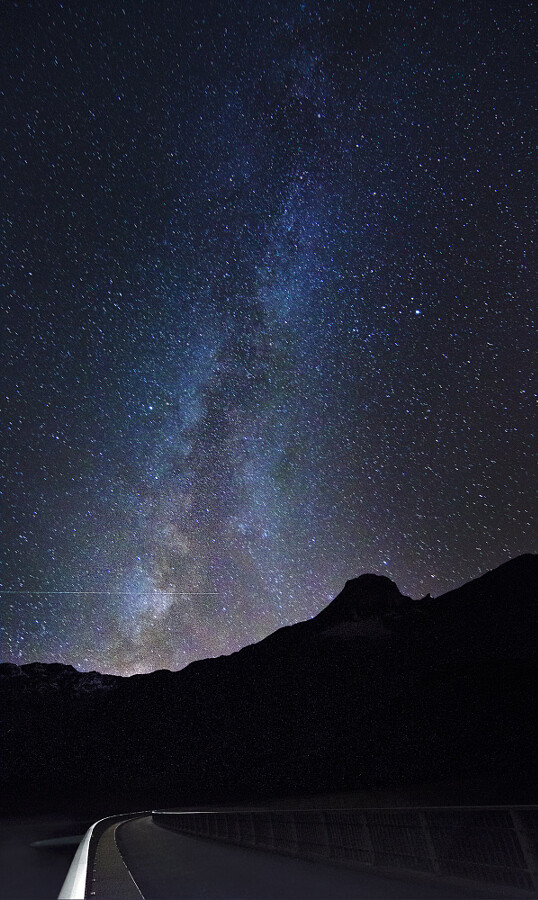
x=483, y=845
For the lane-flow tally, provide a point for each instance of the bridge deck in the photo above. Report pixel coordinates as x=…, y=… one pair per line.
x=164, y=864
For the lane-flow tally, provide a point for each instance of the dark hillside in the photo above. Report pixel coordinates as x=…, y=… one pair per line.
x=376, y=691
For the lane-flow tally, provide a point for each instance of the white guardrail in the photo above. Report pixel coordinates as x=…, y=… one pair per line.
x=74, y=886
x=483, y=846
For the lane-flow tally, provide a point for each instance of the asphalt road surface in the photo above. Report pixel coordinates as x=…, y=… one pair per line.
x=164, y=864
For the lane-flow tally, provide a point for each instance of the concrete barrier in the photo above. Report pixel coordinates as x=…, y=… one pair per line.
x=482, y=846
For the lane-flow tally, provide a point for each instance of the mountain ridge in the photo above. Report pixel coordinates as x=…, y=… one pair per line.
x=376, y=690
x=380, y=595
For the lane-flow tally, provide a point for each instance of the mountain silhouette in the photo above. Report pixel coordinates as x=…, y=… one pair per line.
x=376, y=691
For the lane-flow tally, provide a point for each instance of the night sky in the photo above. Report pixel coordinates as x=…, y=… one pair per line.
x=268, y=295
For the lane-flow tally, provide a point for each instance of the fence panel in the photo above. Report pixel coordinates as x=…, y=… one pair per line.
x=263, y=830
x=398, y=839
x=348, y=836
x=285, y=832
x=312, y=836
x=233, y=827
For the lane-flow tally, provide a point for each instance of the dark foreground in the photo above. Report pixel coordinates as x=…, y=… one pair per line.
x=28, y=872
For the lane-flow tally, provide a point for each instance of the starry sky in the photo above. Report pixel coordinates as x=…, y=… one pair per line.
x=267, y=314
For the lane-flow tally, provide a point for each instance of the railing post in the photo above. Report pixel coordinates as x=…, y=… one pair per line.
x=526, y=846
x=370, y=850
x=289, y=838
x=428, y=839
x=326, y=834
x=293, y=828
x=272, y=830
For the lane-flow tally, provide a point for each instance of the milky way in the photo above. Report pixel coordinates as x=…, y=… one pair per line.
x=268, y=304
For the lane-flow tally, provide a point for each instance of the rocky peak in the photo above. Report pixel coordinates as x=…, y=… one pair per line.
x=363, y=598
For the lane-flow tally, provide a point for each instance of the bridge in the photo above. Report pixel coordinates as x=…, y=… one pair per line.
x=427, y=852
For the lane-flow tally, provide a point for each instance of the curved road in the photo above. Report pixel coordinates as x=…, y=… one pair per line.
x=157, y=864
